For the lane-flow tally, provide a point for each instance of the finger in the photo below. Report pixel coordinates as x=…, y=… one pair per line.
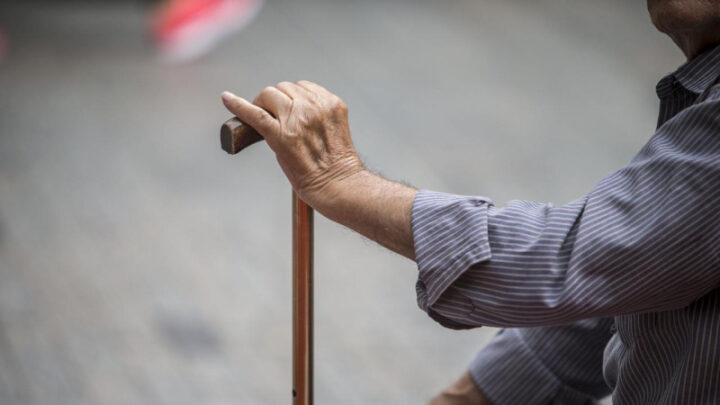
x=314, y=88
x=251, y=114
x=292, y=90
x=274, y=101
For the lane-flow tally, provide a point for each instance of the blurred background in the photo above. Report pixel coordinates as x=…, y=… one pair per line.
x=140, y=264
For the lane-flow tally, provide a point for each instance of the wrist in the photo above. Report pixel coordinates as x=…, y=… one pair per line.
x=340, y=196
x=317, y=190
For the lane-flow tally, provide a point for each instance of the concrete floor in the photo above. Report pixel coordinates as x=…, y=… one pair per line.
x=139, y=264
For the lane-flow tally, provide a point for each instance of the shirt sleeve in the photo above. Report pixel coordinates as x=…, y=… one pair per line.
x=559, y=364
x=646, y=238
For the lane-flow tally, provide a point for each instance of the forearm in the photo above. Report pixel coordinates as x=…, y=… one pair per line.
x=375, y=207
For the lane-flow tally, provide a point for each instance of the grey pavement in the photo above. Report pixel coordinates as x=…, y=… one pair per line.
x=139, y=264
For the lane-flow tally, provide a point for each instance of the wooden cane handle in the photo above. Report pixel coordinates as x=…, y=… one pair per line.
x=236, y=136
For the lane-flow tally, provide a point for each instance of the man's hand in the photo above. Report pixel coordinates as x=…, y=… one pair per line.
x=463, y=392
x=307, y=128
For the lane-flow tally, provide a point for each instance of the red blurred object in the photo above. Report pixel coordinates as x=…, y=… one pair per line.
x=186, y=29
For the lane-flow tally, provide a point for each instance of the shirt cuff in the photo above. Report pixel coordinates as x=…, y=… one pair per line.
x=450, y=233
x=507, y=371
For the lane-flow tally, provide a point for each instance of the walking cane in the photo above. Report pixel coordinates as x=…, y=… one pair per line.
x=234, y=137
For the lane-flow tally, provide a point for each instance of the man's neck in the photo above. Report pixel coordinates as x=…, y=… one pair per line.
x=694, y=42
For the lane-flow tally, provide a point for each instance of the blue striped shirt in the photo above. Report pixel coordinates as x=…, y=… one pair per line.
x=616, y=292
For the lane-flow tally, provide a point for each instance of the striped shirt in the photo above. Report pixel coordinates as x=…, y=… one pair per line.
x=617, y=292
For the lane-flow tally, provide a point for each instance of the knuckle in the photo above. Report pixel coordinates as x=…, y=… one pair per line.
x=336, y=104
x=340, y=104
x=283, y=84
x=265, y=93
x=313, y=102
x=264, y=96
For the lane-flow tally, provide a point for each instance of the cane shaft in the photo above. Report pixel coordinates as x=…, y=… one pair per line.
x=302, y=302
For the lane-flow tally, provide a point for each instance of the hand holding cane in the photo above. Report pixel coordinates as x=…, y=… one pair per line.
x=307, y=128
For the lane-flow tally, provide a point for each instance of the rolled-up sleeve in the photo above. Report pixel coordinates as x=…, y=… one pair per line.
x=450, y=234
x=559, y=364
x=644, y=239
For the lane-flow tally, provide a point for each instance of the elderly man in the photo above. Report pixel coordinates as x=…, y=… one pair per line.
x=617, y=292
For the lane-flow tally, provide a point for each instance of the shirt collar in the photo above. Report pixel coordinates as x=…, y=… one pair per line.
x=695, y=75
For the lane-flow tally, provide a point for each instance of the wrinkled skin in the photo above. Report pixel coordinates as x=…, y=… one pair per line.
x=307, y=128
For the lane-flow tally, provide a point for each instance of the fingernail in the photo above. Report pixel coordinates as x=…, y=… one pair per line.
x=227, y=96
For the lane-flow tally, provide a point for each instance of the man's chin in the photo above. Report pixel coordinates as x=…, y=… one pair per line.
x=676, y=16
